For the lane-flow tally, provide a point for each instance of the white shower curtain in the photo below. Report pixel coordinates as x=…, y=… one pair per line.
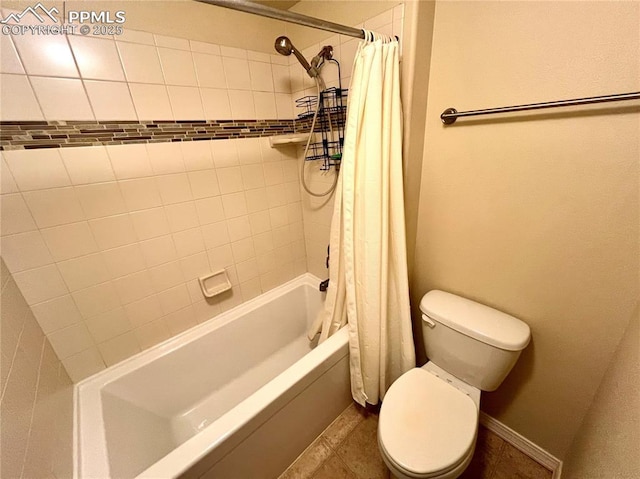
x=368, y=286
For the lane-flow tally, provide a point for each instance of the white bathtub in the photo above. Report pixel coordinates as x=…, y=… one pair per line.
x=240, y=396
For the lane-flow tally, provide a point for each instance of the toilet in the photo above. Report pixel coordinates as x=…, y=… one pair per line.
x=429, y=416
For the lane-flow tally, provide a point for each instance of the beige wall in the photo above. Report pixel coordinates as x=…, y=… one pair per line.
x=36, y=407
x=183, y=19
x=608, y=439
x=537, y=214
x=351, y=13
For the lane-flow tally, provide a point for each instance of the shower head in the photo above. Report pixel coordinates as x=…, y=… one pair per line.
x=284, y=47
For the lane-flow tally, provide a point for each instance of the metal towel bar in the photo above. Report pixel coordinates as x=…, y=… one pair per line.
x=450, y=115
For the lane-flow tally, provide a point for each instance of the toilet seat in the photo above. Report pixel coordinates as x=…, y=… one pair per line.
x=451, y=473
x=427, y=427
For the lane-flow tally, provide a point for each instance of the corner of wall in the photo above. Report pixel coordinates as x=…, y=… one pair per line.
x=606, y=444
x=418, y=36
x=36, y=408
x=418, y=33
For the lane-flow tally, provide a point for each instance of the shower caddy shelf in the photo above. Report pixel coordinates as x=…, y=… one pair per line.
x=292, y=139
x=330, y=123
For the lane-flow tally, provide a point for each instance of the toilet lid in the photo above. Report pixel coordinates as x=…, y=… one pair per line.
x=426, y=425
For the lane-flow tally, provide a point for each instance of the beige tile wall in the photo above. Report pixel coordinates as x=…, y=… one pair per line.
x=317, y=212
x=107, y=243
x=138, y=76
x=36, y=407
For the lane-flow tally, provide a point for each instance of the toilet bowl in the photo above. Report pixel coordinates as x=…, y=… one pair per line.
x=428, y=421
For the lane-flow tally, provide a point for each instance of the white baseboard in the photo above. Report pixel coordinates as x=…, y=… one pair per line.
x=523, y=444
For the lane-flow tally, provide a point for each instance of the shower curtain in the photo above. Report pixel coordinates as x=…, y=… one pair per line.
x=368, y=286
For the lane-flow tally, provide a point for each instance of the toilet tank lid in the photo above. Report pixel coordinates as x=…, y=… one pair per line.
x=476, y=320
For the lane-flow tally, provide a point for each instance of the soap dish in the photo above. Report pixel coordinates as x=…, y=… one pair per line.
x=215, y=283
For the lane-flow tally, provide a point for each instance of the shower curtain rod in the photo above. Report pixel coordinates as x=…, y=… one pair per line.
x=450, y=115
x=286, y=16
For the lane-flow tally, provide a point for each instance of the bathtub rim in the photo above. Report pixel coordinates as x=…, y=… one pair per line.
x=88, y=405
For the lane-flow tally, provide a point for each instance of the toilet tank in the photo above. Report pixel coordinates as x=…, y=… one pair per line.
x=474, y=342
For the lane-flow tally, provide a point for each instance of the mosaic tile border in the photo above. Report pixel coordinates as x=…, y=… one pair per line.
x=27, y=135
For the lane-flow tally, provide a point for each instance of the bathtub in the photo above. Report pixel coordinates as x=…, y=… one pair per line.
x=240, y=396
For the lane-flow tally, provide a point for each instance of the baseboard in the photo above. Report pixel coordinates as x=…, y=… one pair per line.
x=523, y=444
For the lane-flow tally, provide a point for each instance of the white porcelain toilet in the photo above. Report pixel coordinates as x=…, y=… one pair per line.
x=429, y=417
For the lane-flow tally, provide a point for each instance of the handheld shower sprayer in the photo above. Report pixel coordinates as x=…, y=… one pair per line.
x=284, y=47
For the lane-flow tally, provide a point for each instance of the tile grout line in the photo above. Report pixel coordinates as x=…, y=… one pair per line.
x=334, y=450
x=321, y=438
x=494, y=466
x=33, y=406
x=301, y=455
x=326, y=459
x=335, y=453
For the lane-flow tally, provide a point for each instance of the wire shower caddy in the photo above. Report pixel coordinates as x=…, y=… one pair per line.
x=330, y=123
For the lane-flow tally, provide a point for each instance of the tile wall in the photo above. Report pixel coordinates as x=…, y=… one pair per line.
x=317, y=212
x=138, y=76
x=36, y=406
x=106, y=242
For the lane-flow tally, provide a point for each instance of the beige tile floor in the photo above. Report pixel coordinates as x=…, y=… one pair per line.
x=348, y=449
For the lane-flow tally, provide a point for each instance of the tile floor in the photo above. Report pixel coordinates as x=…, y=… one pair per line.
x=348, y=449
